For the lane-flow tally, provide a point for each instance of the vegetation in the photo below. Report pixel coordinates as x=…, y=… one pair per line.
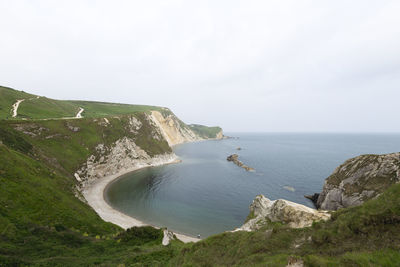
x=35, y=107
x=65, y=144
x=8, y=97
x=204, y=131
x=43, y=223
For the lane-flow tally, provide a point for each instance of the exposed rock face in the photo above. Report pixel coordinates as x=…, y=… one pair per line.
x=168, y=236
x=235, y=159
x=124, y=154
x=220, y=135
x=295, y=215
x=172, y=130
x=359, y=179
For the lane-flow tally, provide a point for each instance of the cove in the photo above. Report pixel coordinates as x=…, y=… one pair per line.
x=205, y=194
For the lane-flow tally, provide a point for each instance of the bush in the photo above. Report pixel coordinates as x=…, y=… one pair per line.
x=141, y=235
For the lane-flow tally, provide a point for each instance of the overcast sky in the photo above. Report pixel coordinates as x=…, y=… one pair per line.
x=244, y=65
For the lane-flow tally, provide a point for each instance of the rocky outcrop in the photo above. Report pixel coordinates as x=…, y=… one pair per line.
x=235, y=159
x=123, y=154
x=264, y=210
x=357, y=180
x=220, y=135
x=168, y=237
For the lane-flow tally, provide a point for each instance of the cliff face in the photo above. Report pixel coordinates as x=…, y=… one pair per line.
x=359, y=179
x=174, y=131
x=263, y=211
x=123, y=155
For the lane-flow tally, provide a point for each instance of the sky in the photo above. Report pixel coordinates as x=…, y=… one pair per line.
x=247, y=66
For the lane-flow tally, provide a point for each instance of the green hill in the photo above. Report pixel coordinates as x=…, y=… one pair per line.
x=40, y=107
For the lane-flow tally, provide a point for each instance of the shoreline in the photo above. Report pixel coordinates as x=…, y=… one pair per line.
x=94, y=195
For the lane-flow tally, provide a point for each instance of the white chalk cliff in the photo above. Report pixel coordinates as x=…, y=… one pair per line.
x=172, y=130
x=264, y=210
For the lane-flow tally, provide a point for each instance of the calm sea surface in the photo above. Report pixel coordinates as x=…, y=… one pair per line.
x=206, y=194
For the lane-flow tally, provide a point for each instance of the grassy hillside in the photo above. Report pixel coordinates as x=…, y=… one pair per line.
x=44, y=108
x=39, y=107
x=8, y=97
x=43, y=223
x=65, y=144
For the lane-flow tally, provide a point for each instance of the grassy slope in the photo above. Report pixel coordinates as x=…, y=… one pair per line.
x=8, y=97
x=41, y=220
x=42, y=223
x=65, y=150
x=44, y=108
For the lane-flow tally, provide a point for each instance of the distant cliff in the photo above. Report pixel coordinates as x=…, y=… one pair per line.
x=357, y=180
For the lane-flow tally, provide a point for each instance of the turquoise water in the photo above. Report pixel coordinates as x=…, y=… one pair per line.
x=206, y=194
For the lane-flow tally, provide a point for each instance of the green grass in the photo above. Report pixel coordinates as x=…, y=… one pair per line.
x=41, y=108
x=43, y=223
x=65, y=150
x=101, y=109
x=46, y=108
x=8, y=97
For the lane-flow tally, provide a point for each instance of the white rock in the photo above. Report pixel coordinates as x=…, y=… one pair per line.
x=168, y=236
x=293, y=214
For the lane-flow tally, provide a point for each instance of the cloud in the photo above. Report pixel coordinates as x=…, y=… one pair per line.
x=244, y=65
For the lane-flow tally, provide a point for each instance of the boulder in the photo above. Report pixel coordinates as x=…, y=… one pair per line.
x=264, y=210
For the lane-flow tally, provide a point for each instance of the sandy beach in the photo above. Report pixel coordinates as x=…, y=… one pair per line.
x=94, y=195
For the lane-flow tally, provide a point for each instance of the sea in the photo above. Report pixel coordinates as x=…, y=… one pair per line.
x=205, y=194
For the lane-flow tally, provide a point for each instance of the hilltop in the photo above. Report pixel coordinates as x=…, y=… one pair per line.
x=41, y=107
